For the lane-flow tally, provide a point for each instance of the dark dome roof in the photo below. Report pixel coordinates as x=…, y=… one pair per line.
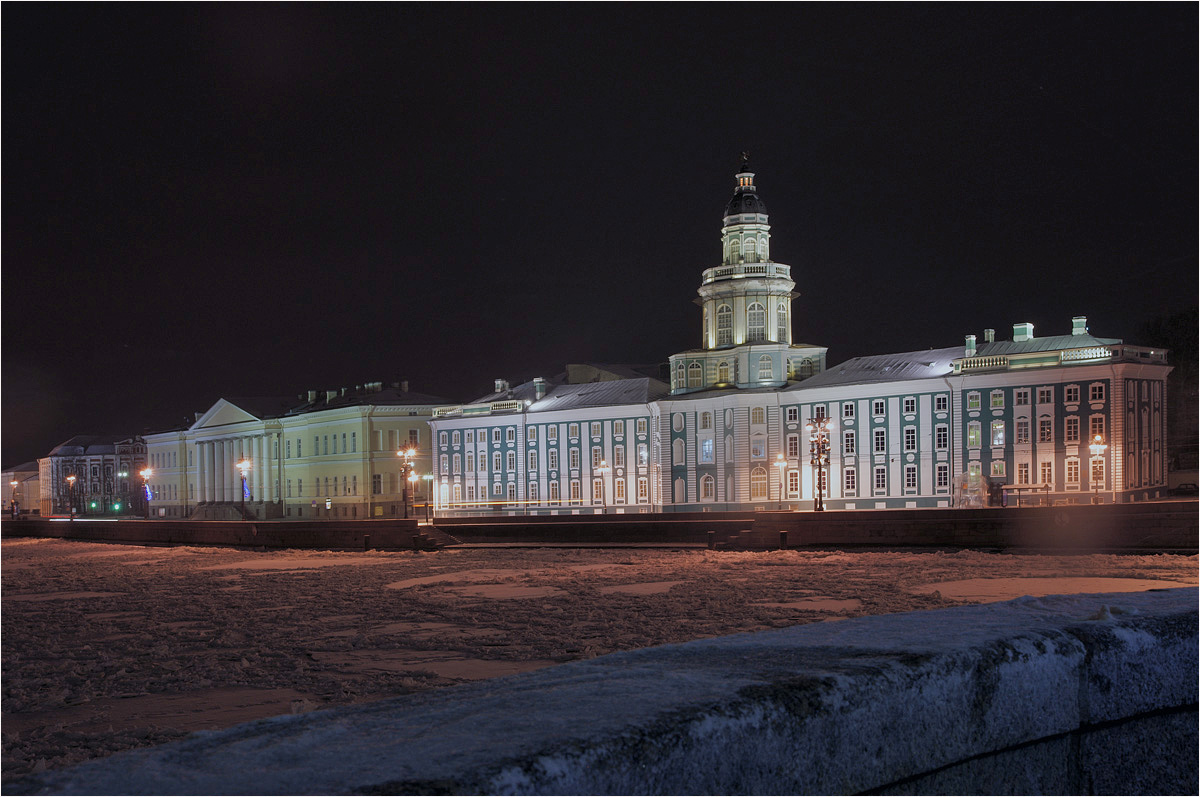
x=745, y=202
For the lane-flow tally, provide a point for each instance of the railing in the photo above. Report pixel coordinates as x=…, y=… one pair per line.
x=982, y=363
x=1093, y=353
x=757, y=269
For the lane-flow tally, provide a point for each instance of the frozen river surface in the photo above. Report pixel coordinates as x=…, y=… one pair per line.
x=109, y=647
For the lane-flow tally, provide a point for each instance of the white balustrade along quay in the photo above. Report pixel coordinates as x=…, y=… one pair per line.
x=1067, y=694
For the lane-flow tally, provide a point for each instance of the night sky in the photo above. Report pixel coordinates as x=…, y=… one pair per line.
x=232, y=200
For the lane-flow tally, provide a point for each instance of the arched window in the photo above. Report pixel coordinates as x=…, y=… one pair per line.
x=762, y=248
x=677, y=450
x=756, y=322
x=704, y=324
x=679, y=374
x=758, y=415
x=723, y=372
x=724, y=325
x=764, y=367
x=781, y=318
x=708, y=488
x=750, y=258
x=695, y=375
x=758, y=483
x=735, y=250
x=806, y=368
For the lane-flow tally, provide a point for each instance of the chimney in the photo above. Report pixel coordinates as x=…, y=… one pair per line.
x=330, y=395
x=312, y=396
x=1022, y=332
x=404, y=386
x=1079, y=325
x=501, y=385
x=989, y=336
x=970, y=346
x=343, y=392
x=539, y=388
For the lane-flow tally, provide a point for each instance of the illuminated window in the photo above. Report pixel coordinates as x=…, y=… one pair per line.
x=764, y=367
x=512, y=493
x=1047, y=473
x=1096, y=426
x=1071, y=429
x=1073, y=471
x=551, y=432
x=974, y=435
x=619, y=490
x=972, y=401
x=596, y=456
x=848, y=441
x=997, y=433
x=643, y=489
x=641, y=425
x=997, y=400
x=1023, y=473
x=758, y=447
x=793, y=483
x=1022, y=430
x=573, y=430
x=643, y=455
x=595, y=428
x=849, y=481
x=706, y=450
x=781, y=316
x=998, y=467
x=618, y=428
x=1045, y=395
x=597, y=490
x=532, y=460
x=756, y=322
x=723, y=372
x=758, y=483
x=445, y=463
x=708, y=488
x=1045, y=431
x=553, y=491
x=470, y=435
x=758, y=415
x=724, y=327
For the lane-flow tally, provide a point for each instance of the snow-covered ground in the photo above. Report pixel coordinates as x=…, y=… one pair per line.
x=109, y=647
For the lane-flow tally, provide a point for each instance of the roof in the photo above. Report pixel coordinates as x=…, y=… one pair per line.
x=601, y=394
x=381, y=397
x=24, y=467
x=925, y=364
x=89, y=444
x=262, y=406
x=1049, y=343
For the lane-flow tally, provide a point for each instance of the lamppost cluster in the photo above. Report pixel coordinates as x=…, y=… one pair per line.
x=1098, y=448
x=818, y=446
x=146, y=473
x=780, y=463
x=408, y=477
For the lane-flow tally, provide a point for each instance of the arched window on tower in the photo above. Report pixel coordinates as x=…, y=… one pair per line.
x=762, y=248
x=806, y=368
x=695, y=375
x=704, y=326
x=756, y=322
x=764, y=368
x=735, y=251
x=679, y=372
x=750, y=258
x=723, y=372
x=781, y=317
x=724, y=325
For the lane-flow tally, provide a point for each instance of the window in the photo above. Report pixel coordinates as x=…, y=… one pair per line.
x=300, y=486
x=335, y=448
x=495, y=435
x=641, y=425
x=531, y=433
x=353, y=485
x=974, y=435
x=595, y=428
x=512, y=493
x=756, y=323
x=793, y=483
x=880, y=478
x=848, y=410
x=643, y=489
x=456, y=438
x=910, y=405
x=553, y=489
x=723, y=372
x=354, y=442
x=316, y=445
x=1073, y=471
x=997, y=400
x=414, y=437
x=1096, y=391
x=551, y=432
x=819, y=412
x=910, y=477
x=877, y=408
x=618, y=456
x=1098, y=471
x=941, y=403
x=597, y=456
x=1047, y=473
x=470, y=435
x=510, y=460
x=552, y=459
x=764, y=367
x=758, y=415
x=597, y=490
x=758, y=447
x=1045, y=431
x=943, y=475
x=573, y=430
x=706, y=420
x=442, y=438
x=706, y=450
x=532, y=460
x=1045, y=395
x=708, y=488
x=573, y=459
x=910, y=438
x=325, y=447
x=680, y=375
x=1096, y=427
x=510, y=434
x=782, y=322
x=1022, y=430
x=619, y=490
x=618, y=428
x=1071, y=431
x=972, y=401
x=849, y=481
x=299, y=452
x=793, y=446
x=496, y=462
x=470, y=462
x=1021, y=397
x=880, y=441
x=998, y=467
x=941, y=437
x=445, y=460
x=456, y=466
x=997, y=433
x=482, y=462
x=848, y=441
x=724, y=325
x=643, y=455
x=288, y=450
x=758, y=483
x=1023, y=473
x=695, y=375
x=1071, y=394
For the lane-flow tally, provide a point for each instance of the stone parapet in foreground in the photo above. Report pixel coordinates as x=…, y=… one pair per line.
x=1063, y=694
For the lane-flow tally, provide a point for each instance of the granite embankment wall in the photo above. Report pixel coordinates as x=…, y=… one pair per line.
x=358, y=535
x=1059, y=695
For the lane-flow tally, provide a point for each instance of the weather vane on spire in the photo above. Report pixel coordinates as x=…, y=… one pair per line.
x=745, y=157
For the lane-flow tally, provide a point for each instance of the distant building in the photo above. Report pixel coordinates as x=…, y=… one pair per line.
x=993, y=421
x=105, y=470
x=329, y=454
x=22, y=484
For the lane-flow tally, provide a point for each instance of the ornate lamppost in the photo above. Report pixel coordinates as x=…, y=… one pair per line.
x=15, y=507
x=244, y=468
x=1098, y=448
x=71, y=494
x=780, y=463
x=428, y=479
x=818, y=445
x=407, y=476
x=603, y=470
x=146, y=473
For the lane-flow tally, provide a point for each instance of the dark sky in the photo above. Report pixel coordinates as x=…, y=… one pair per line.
x=258, y=200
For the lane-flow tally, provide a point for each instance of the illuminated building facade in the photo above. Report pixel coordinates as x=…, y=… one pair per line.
x=105, y=469
x=1063, y=419
x=328, y=455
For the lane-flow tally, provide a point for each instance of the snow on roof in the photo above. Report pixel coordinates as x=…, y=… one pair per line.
x=925, y=364
x=1049, y=343
x=601, y=394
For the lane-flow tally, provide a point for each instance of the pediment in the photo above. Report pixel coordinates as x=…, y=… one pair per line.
x=223, y=413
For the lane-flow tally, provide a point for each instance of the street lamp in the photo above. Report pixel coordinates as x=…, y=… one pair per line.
x=428, y=477
x=13, y=499
x=244, y=467
x=122, y=490
x=603, y=470
x=71, y=484
x=408, y=478
x=1098, y=448
x=146, y=474
x=818, y=444
x=780, y=463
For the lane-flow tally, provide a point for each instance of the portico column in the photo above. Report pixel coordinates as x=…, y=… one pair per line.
x=273, y=446
x=199, y=472
x=217, y=454
x=260, y=466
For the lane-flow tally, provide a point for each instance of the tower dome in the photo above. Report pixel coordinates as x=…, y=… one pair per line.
x=745, y=197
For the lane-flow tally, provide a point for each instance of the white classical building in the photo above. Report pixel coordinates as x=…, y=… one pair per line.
x=1067, y=418
x=330, y=454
